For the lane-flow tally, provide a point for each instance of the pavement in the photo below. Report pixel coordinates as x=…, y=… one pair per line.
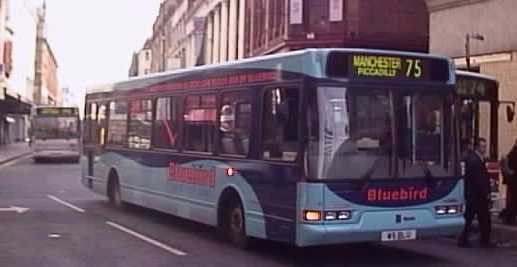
x=13, y=151
x=58, y=223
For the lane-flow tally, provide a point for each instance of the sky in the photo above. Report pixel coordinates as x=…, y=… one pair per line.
x=94, y=40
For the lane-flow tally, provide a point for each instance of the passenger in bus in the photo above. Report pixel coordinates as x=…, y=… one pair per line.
x=231, y=139
x=477, y=195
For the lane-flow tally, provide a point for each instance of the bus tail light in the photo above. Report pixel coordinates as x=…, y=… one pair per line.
x=312, y=215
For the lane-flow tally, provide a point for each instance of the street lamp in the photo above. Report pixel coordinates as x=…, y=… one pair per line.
x=475, y=36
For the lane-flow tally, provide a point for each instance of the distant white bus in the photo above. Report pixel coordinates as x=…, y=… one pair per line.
x=55, y=133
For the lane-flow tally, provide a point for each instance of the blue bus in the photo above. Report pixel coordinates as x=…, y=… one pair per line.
x=312, y=147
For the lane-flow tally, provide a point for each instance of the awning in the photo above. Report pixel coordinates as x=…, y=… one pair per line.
x=12, y=105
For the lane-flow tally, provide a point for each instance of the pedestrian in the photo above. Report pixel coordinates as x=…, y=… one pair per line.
x=477, y=195
x=511, y=186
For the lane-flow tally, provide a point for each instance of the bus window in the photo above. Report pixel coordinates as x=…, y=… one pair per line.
x=235, y=123
x=101, y=124
x=117, y=129
x=91, y=124
x=140, y=124
x=200, y=123
x=280, y=124
x=166, y=128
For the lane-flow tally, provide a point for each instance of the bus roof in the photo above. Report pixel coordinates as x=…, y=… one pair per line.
x=291, y=61
x=476, y=75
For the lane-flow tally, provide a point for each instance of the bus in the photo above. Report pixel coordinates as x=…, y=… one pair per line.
x=55, y=133
x=312, y=147
x=479, y=103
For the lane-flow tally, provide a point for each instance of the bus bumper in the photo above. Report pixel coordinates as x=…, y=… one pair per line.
x=330, y=234
x=56, y=154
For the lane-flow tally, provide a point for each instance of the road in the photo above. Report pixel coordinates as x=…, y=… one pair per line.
x=66, y=225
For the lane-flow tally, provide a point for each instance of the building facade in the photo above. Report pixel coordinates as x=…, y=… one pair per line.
x=496, y=55
x=282, y=25
x=17, y=55
x=46, y=85
x=141, y=61
x=188, y=33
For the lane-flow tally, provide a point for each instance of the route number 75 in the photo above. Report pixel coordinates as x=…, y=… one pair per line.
x=414, y=68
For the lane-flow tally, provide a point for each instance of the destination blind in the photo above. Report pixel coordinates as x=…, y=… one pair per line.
x=56, y=111
x=370, y=66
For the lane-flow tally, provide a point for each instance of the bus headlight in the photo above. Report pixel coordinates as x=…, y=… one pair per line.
x=338, y=215
x=448, y=210
x=330, y=215
x=344, y=215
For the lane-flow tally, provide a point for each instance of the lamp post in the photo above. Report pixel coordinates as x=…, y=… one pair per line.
x=475, y=36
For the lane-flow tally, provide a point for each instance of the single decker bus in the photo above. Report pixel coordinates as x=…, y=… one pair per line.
x=312, y=147
x=55, y=133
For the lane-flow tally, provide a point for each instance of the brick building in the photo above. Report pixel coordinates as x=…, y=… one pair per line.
x=281, y=25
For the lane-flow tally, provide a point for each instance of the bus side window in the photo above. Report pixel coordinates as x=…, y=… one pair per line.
x=166, y=125
x=101, y=124
x=200, y=117
x=117, y=127
x=140, y=122
x=235, y=123
x=91, y=124
x=280, y=124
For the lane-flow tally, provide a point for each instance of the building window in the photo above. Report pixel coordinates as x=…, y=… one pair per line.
x=166, y=126
x=280, y=124
x=140, y=124
x=235, y=123
x=117, y=129
x=147, y=55
x=200, y=123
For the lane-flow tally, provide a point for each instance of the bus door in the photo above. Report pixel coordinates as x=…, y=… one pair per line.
x=479, y=119
x=94, y=135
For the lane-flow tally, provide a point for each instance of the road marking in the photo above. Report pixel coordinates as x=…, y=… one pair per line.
x=147, y=239
x=18, y=210
x=12, y=162
x=65, y=203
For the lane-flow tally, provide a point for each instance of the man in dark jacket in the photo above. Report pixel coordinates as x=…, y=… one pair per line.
x=511, y=183
x=477, y=195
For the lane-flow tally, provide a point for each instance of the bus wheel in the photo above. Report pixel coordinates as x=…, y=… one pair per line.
x=235, y=226
x=114, y=195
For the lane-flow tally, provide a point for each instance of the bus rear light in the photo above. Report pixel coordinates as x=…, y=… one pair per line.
x=312, y=215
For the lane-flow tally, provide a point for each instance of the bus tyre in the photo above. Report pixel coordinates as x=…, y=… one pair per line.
x=114, y=195
x=235, y=226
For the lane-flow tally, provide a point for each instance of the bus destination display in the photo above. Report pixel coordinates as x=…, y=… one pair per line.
x=51, y=111
x=375, y=66
x=386, y=66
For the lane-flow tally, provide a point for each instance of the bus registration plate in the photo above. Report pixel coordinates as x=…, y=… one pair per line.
x=398, y=235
